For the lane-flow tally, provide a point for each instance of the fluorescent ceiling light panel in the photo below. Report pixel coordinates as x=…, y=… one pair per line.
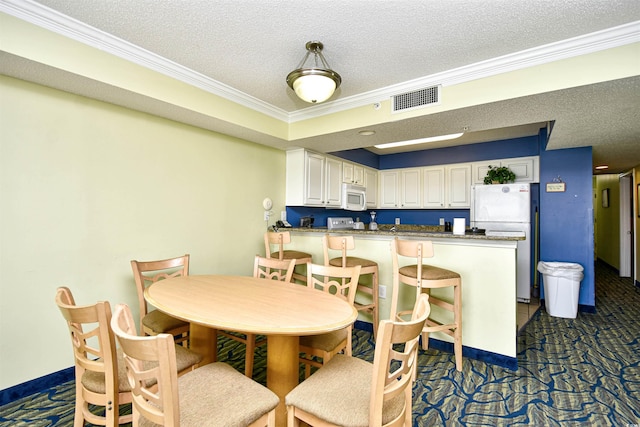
x=420, y=141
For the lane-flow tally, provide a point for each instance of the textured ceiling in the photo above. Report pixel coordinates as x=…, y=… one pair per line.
x=251, y=45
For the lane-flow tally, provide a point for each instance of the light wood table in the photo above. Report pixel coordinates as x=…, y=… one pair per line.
x=281, y=311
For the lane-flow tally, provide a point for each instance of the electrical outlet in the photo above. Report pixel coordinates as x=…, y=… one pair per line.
x=266, y=215
x=441, y=221
x=397, y=221
x=382, y=291
x=283, y=215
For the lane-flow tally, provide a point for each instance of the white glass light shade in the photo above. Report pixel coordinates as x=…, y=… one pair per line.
x=314, y=88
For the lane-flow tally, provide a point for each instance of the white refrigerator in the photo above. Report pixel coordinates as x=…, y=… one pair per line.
x=505, y=209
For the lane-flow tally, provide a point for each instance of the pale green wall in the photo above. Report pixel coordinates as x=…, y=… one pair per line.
x=87, y=186
x=607, y=219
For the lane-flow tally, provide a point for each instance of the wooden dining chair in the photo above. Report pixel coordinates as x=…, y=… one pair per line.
x=98, y=380
x=213, y=395
x=343, y=244
x=266, y=268
x=279, y=239
x=425, y=278
x=153, y=322
x=370, y=394
x=342, y=282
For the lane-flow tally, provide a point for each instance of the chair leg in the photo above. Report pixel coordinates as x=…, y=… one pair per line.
x=376, y=301
x=457, y=334
x=78, y=418
x=425, y=334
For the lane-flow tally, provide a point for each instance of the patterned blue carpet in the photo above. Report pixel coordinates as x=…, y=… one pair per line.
x=582, y=372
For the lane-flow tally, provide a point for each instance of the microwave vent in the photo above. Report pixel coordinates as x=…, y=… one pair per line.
x=417, y=98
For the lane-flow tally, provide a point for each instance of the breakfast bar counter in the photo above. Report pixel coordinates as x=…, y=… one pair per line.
x=486, y=263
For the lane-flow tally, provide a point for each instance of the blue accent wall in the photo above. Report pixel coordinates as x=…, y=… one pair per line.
x=519, y=147
x=383, y=216
x=360, y=155
x=566, y=218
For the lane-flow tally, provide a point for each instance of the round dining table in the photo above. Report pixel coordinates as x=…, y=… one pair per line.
x=281, y=311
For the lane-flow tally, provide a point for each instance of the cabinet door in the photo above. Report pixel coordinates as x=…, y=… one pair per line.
x=389, y=189
x=333, y=182
x=358, y=175
x=458, y=186
x=480, y=170
x=347, y=172
x=314, y=179
x=433, y=187
x=371, y=184
x=352, y=173
x=524, y=169
x=410, y=189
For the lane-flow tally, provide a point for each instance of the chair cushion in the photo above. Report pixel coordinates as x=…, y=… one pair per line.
x=429, y=272
x=160, y=322
x=340, y=393
x=94, y=381
x=218, y=395
x=324, y=342
x=186, y=358
x=290, y=254
x=352, y=262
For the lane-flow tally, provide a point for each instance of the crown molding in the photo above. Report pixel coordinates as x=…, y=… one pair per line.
x=52, y=20
x=59, y=23
x=564, y=49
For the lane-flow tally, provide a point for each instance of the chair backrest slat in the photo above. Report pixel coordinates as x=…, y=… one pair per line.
x=274, y=269
x=395, y=360
x=324, y=277
x=147, y=272
x=151, y=369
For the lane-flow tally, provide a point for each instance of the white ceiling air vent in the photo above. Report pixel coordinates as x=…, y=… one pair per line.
x=416, y=99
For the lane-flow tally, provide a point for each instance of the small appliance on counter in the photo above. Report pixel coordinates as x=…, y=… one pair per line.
x=373, y=225
x=358, y=225
x=339, y=223
x=306, y=222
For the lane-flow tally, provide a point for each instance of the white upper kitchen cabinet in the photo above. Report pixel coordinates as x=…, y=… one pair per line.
x=479, y=170
x=371, y=184
x=353, y=173
x=526, y=169
x=333, y=182
x=433, y=187
x=390, y=189
x=313, y=179
x=400, y=188
x=410, y=186
x=458, y=185
x=446, y=187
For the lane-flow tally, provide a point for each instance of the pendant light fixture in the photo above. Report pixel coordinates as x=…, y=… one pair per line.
x=313, y=80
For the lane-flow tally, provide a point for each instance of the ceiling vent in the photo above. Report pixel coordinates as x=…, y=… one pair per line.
x=416, y=99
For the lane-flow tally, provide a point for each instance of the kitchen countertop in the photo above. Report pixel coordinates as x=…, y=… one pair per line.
x=407, y=230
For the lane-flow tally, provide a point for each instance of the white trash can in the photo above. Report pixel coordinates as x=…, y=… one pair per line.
x=561, y=287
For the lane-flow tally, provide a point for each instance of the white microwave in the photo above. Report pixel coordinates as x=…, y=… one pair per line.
x=353, y=197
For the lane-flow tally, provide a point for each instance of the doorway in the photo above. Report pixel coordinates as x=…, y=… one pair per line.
x=626, y=225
